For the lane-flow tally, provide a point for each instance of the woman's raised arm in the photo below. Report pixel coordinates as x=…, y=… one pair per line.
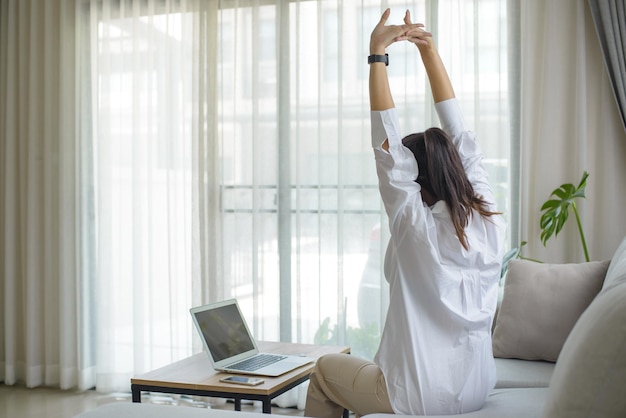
x=437, y=75
x=383, y=36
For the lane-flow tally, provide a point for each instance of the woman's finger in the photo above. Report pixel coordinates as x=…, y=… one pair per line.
x=385, y=16
x=418, y=33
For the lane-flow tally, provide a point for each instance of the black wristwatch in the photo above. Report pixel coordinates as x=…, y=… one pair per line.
x=378, y=58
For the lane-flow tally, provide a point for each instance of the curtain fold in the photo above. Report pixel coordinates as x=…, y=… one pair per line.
x=40, y=343
x=609, y=17
x=207, y=253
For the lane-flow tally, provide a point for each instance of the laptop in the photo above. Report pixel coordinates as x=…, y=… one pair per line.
x=231, y=347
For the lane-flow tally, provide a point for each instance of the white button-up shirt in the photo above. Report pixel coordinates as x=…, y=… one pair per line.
x=435, y=351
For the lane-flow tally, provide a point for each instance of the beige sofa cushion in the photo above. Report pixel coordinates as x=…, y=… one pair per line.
x=515, y=373
x=589, y=379
x=501, y=403
x=541, y=304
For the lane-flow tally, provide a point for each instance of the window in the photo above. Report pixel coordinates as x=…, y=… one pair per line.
x=267, y=101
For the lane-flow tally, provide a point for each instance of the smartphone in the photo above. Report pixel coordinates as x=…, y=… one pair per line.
x=242, y=380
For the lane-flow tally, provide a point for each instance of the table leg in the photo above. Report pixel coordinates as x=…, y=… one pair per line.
x=237, y=404
x=267, y=406
x=136, y=394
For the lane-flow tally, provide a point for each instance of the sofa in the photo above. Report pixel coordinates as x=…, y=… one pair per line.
x=559, y=339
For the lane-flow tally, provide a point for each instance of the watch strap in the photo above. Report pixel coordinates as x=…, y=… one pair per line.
x=378, y=58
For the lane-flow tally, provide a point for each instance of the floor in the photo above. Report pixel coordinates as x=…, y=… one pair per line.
x=19, y=401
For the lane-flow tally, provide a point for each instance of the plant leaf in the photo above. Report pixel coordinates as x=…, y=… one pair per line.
x=546, y=221
x=583, y=181
x=560, y=222
x=512, y=254
x=564, y=191
x=556, y=208
x=550, y=204
x=580, y=190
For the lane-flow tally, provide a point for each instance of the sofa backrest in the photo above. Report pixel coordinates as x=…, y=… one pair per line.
x=590, y=375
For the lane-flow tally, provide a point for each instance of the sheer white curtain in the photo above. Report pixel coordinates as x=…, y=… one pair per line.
x=570, y=123
x=289, y=218
x=175, y=152
x=145, y=90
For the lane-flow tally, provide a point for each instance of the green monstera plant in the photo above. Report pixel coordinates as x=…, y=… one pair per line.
x=556, y=211
x=555, y=214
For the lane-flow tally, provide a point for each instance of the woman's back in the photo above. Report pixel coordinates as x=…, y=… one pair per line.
x=436, y=346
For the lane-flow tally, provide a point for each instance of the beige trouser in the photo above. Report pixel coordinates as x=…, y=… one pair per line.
x=342, y=381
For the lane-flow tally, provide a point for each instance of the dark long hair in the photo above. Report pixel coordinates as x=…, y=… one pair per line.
x=441, y=172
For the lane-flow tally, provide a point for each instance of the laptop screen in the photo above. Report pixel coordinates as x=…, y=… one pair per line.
x=224, y=331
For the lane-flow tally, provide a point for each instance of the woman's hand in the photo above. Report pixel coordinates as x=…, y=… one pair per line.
x=384, y=35
x=418, y=36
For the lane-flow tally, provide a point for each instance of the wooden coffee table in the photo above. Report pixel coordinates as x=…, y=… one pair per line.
x=195, y=376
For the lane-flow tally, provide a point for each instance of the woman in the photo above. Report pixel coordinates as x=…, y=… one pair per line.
x=442, y=262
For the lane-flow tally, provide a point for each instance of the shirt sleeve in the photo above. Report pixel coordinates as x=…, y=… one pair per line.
x=396, y=168
x=451, y=119
x=385, y=125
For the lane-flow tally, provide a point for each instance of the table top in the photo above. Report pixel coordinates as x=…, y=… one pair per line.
x=196, y=372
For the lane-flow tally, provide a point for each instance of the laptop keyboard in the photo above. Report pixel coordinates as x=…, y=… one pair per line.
x=256, y=362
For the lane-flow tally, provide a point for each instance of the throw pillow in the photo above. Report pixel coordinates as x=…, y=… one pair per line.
x=541, y=304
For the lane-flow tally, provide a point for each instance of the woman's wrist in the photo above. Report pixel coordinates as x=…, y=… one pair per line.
x=427, y=50
x=428, y=53
x=377, y=49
